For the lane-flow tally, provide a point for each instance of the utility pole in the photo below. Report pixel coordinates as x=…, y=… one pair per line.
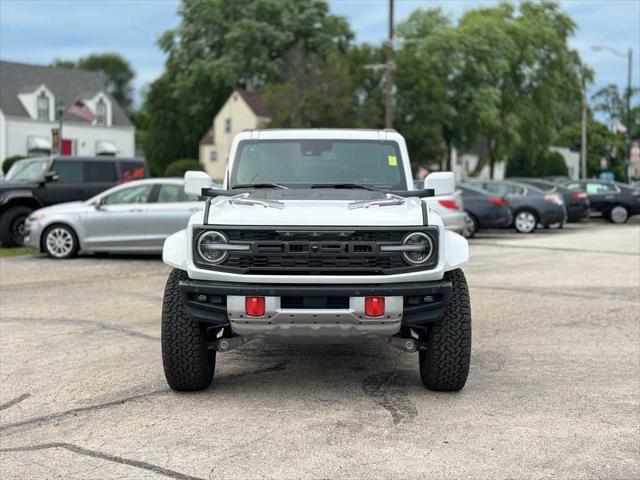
x=389, y=100
x=583, y=133
x=627, y=158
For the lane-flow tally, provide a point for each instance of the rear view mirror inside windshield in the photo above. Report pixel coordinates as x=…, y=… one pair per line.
x=315, y=148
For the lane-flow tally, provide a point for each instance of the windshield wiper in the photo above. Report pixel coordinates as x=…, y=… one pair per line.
x=346, y=186
x=259, y=185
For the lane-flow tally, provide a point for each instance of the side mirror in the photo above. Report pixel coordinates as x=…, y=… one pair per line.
x=442, y=183
x=50, y=177
x=100, y=203
x=195, y=181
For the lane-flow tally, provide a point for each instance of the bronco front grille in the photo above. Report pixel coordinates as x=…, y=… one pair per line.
x=316, y=251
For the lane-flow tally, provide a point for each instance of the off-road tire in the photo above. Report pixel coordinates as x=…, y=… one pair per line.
x=8, y=224
x=444, y=364
x=188, y=364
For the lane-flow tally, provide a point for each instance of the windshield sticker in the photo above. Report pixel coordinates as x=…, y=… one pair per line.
x=393, y=161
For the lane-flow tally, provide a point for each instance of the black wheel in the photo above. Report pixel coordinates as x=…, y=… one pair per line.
x=188, y=364
x=525, y=221
x=444, y=364
x=470, y=225
x=12, y=226
x=60, y=242
x=619, y=214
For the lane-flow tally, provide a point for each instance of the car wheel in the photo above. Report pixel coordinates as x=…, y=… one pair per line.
x=60, y=241
x=12, y=226
x=525, y=221
x=188, y=363
x=619, y=214
x=470, y=226
x=444, y=362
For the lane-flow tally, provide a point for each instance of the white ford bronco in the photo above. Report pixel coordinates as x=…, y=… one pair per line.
x=316, y=236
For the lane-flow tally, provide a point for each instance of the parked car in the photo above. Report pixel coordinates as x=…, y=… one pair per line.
x=615, y=201
x=135, y=217
x=42, y=181
x=484, y=210
x=449, y=207
x=575, y=200
x=529, y=204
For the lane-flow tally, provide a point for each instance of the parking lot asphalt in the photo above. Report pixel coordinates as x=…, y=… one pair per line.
x=554, y=388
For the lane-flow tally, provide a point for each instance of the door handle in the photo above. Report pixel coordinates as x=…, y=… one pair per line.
x=136, y=210
x=195, y=209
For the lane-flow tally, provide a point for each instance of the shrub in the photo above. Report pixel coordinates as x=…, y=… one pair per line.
x=9, y=161
x=179, y=167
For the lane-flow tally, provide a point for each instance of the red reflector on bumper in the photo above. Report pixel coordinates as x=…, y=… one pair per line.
x=254, y=306
x=374, y=306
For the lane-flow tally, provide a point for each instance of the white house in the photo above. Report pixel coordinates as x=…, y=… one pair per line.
x=93, y=123
x=243, y=110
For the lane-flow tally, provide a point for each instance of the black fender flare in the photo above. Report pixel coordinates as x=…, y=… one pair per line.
x=18, y=195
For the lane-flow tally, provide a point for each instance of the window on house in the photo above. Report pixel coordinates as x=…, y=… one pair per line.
x=227, y=125
x=213, y=155
x=101, y=112
x=43, y=107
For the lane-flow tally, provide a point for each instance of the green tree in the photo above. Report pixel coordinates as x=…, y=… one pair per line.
x=116, y=71
x=180, y=167
x=427, y=88
x=517, y=72
x=603, y=145
x=220, y=45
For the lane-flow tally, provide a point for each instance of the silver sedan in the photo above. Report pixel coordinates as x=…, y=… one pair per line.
x=135, y=217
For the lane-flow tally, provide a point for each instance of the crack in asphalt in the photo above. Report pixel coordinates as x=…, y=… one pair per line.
x=389, y=390
x=553, y=249
x=74, y=411
x=11, y=403
x=103, y=456
x=68, y=321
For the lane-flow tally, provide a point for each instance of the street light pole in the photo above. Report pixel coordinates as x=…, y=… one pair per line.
x=627, y=159
x=583, y=132
x=389, y=101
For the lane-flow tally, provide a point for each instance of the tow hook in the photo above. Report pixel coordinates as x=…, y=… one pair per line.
x=227, y=344
x=408, y=345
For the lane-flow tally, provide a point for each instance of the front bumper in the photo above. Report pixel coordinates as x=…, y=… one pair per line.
x=32, y=231
x=414, y=305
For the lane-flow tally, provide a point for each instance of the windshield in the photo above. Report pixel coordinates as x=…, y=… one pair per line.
x=27, y=171
x=303, y=163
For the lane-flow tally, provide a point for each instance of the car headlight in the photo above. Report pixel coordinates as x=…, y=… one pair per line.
x=36, y=216
x=211, y=247
x=418, y=248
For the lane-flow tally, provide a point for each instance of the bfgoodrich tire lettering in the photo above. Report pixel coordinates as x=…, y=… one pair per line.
x=444, y=365
x=188, y=364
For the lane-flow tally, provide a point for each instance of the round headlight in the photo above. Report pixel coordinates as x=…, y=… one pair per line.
x=207, y=244
x=423, y=248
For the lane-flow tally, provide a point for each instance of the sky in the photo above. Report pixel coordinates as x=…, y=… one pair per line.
x=39, y=31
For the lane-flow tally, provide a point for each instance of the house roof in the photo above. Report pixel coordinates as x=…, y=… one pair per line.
x=207, y=138
x=255, y=100
x=66, y=84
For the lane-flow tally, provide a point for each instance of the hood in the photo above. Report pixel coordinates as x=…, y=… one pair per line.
x=323, y=209
x=67, y=207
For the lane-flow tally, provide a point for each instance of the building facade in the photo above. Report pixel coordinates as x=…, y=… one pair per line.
x=242, y=111
x=31, y=97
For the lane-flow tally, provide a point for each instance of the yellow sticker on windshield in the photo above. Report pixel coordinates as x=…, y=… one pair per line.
x=393, y=161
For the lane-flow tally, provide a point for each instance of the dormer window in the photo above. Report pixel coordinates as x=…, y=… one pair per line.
x=101, y=112
x=43, y=107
